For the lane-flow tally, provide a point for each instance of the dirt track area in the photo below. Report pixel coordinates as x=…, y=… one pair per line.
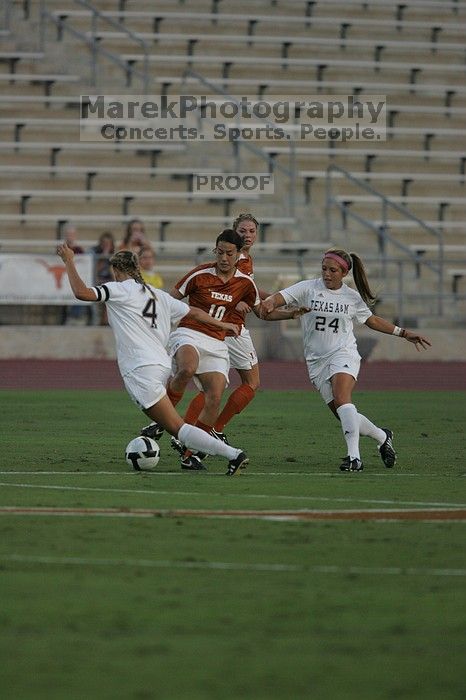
x=423, y=515
x=103, y=374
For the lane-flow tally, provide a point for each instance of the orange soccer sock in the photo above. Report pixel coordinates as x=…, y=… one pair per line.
x=237, y=402
x=194, y=409
x=174, y=396
x=203, y=426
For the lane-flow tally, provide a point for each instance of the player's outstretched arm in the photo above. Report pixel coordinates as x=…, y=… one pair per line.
x=281, y=314
x=263, y=294
x=80, y=290
x=271, y=303
x=203, y=317
x=383, y=326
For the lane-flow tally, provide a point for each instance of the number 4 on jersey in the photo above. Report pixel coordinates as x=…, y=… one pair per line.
x=150, y=312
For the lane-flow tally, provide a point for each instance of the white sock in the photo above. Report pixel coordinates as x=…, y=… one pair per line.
x=350, y=426
x=370, y=430
x=200, y=441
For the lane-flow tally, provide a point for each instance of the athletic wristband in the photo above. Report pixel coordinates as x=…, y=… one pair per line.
x=399, y=331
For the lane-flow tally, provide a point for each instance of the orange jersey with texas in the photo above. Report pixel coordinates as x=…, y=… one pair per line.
x=245, y=266
x=207, y=291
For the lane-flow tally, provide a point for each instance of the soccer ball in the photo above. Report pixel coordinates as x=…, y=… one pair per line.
x=142, y=454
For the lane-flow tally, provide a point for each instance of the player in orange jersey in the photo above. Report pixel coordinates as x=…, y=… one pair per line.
x=242, y=353
x=200, y=352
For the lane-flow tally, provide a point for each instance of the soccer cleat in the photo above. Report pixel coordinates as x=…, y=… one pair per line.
x=351, y=465
x=192, y=463
x=219, y=436
x=345, y=465
x=387, y=451
x=177, y=445
x=154, y=431
x=238, y=463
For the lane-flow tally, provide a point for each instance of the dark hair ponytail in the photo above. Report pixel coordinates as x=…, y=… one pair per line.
x=228, y=235
x=355, y=264
x=361, y=281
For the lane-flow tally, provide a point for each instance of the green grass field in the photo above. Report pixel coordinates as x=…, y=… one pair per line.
x=172, y=607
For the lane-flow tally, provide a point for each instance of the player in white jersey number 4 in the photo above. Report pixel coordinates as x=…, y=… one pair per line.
x=330, y=347
x=141, y=319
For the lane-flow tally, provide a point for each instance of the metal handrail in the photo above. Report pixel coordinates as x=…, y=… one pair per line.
x=94, y=44
x=382, y=231
x=271, y=166
x=171, y=263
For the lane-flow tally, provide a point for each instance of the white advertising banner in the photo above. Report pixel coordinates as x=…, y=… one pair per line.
x=39, y=279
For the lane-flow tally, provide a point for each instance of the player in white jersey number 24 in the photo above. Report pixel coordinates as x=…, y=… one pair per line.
x=330, y=346
x=141, y=319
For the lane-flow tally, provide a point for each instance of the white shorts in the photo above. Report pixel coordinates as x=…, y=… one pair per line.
x=213, y=353
x=342, y=361
x=146, y=385
x=241, y=350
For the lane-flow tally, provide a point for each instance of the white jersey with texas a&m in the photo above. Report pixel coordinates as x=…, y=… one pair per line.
x=328, y=327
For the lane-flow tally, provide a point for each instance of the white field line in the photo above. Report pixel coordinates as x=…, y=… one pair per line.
x=231, y=566
x=146, y=492
x=388, y=473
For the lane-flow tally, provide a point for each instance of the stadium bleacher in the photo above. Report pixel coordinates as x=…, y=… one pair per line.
x=413, y=52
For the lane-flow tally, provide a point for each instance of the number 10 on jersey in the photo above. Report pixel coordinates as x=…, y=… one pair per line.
x=217, y=312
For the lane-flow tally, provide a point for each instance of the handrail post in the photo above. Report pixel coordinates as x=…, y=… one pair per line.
x=440, y=273
x=292, y=179
x=384, y=237
x=236, y=154
x=400, y=293
x=382, y=241
x=146, y=71
x=41, y=23
x=7, y=14
x=268, y=158
x=94, y=48
x=328, y=203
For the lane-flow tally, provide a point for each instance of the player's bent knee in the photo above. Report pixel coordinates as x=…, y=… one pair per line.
x=213, y=399
x=340, y=401
x=185, y=374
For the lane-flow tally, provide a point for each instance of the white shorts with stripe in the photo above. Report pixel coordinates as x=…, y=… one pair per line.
x=241, y=350
x=213, y=353
x=146, y=384
x=341, y=361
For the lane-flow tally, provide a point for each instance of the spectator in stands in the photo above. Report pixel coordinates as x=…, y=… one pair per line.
x=102, y=251
x=135, y=237
x=147, y=265
x=76, y=314
x=71, y=237
x=330, y=346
